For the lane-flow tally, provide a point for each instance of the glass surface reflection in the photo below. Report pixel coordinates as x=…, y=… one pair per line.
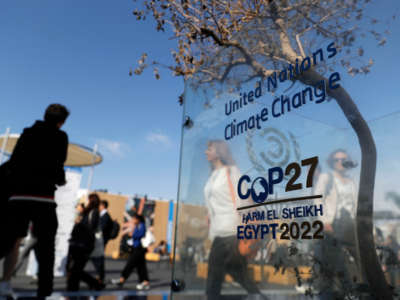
x=221, y=200
x=210, y=228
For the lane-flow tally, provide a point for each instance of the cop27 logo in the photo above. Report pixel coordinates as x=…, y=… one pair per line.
x=275, y=176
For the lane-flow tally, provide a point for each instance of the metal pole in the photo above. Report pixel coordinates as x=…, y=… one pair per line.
x=3, y=147
x=90, y=178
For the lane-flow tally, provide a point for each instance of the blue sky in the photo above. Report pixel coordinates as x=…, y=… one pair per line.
x=79, y=53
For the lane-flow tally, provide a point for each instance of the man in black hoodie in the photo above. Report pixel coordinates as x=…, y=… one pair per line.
x=37, y=168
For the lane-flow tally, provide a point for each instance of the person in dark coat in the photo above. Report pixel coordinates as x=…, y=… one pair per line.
x=36, y=169
x=106, y=222
x=81, y=245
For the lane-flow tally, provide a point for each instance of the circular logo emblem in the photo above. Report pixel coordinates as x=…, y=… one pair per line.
x=277, y=148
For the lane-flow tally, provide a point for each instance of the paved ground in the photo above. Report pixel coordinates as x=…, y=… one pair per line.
x=160, y=275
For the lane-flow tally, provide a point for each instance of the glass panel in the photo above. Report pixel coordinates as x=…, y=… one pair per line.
x=279, y=191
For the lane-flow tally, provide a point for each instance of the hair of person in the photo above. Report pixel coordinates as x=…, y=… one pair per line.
x=140, y=218
x=223, y=152
x=331, y=157
x=104, y=203
x=94, y=203
x=56, y=113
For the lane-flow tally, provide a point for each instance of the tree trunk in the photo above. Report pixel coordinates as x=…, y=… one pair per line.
x=364, y=218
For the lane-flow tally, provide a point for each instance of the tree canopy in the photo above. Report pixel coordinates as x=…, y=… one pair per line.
x=213, y=37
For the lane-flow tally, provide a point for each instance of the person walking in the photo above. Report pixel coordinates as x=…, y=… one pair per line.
x=221, y=202
x=36, y=169
x=137, y=257
x=391, y=259
x=106, y=222
x=338, y=252
x=106, y=225
x=81, y=245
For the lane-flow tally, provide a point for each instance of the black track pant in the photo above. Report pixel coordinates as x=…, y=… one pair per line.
x=136, y=260
x=44, y=219
x=77, y=259
x=226, y=259
x=99, y=265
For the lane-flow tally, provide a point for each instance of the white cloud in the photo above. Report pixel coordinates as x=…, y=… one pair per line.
x=159, y=139
x=114, y=148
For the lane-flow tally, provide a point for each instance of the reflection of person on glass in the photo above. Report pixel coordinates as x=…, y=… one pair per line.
x=223, y=219
x=391, y=259
x=339, y=192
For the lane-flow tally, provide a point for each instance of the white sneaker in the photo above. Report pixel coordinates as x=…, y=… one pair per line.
x=301, y=289
x=116, y=281
x=143, y=286
x=5, y=289
x=305, y=288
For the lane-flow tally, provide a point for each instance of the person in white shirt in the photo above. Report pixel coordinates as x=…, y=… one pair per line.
x=339, y=246
x=223, y=219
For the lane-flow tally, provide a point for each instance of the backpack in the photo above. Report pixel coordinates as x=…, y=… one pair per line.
x=114, y=230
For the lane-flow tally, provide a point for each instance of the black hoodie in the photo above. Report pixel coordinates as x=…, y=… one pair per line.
x=37, y=162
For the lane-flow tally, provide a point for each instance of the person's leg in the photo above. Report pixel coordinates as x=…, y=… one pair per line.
x=15, y=227
x=7, y=243
x=130, y=265
x=325, y=267
x=98, y=263
x=216, y=269
x=7, y=238
x=142, y=268
x=45, y=223
x=77, y=260
x=10, y=261
x=92, y=282
x=240, y=273
x=102, y=268
x=8, y=267
x=29, y=244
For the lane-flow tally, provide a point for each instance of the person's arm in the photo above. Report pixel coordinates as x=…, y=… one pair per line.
x=321, y=185
x=324, y=187
x=61, y=158
x=127, y=216
x=127, y=228
x=20, y=150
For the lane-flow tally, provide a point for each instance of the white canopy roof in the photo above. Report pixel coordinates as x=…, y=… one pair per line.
x=78, y=155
